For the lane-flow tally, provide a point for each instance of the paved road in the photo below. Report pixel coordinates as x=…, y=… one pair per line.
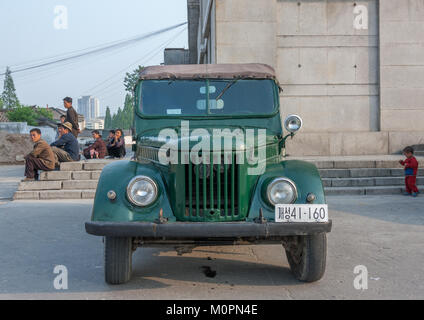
x=385, y=234
x=10, y=175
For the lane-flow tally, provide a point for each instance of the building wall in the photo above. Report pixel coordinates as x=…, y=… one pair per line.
x=402, y=71
x=331, y=72
x=47, y=133
x=246, y=31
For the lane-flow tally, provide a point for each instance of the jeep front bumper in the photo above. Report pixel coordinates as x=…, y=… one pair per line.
x=205, y=230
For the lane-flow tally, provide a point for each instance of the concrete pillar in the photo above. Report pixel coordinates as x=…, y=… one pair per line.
x=193, y=26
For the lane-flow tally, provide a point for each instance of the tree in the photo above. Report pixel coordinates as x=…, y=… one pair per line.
x=1, y=103
x=23, y=114
x=29, y=115
x=131, y=79
x=108, y=119
x=124, y=118
x=9, y=98
x=117, y=119
x=46, y=113
x=128, y=112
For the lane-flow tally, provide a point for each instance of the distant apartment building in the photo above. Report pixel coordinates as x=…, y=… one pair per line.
x=89, y=107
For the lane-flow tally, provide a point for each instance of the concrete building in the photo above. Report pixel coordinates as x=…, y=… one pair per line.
x=176, y=56
x=353, y=70
x=96, y=124
x=58, y=112
x=89, y=107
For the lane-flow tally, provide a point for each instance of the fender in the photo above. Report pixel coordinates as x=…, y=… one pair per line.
x=304, y=174
x=116, y=176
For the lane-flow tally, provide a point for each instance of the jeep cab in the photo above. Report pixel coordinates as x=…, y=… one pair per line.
x=209, y=168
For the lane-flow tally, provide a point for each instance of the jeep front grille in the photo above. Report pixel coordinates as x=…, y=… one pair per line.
x=212, y=192
x=148, y=153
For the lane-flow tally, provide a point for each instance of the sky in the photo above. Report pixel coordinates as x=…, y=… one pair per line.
x=32, y=30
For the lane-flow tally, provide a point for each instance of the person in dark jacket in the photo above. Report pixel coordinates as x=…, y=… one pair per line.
x=98, y=149
x=110, y=138
x=62, y=120
x=66, y=148
x=116, y=149
x=71, y=116
x=41, y=157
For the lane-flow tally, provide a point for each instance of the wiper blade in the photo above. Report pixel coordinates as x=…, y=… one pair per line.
x=228, y=86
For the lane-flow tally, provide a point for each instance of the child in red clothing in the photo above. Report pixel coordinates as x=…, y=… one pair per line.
x=411, y=168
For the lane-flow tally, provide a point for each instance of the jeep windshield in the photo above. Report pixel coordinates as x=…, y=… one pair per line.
x=207, y=97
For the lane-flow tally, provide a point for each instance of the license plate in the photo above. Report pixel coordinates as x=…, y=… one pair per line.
x=301, y=213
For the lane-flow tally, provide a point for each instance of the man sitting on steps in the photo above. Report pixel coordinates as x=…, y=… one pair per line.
x=98, y=149
x=41, y=157
x=117, y=148
x=66, y=148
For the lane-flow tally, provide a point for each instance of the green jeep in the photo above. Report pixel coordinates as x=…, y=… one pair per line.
x=209, y=169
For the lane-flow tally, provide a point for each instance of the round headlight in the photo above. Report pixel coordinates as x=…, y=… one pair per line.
x=142, y=191
x=293, y=123
x=281, y=191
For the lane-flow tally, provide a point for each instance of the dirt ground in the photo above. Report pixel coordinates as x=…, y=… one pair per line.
x=13, y=147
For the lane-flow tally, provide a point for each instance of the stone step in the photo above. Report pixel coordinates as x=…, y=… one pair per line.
x=78, y=180
x=54, y=194
x=39, y=185
x=58, y=185
x=87, y=165
x=380, y=190
x=91, y=165
x=364, y=172
x=367, y=182
x=79, y=184
x=69, y=175
x=354, y=164
x=325, y=173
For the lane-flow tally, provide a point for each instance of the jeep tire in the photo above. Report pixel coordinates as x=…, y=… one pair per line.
x=118, y=259
x=307, y=256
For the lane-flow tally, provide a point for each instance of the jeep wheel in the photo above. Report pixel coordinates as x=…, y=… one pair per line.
x=307, y=256
x=118, y=260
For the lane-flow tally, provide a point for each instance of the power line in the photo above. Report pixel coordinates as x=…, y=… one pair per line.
x=145, y=59
x=114, y=87
x=114, y=90
x=105, y=48
x=41, y=60
x=148, y=56
x=50, y=71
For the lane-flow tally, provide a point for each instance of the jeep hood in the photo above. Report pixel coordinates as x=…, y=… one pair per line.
x=180, y=141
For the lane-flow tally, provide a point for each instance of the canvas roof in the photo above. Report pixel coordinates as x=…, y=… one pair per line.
x=210, y=71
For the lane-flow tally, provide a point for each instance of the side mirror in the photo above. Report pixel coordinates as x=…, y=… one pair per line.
x=293, y=123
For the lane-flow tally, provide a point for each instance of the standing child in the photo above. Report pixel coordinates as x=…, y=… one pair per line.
x=411, y=168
